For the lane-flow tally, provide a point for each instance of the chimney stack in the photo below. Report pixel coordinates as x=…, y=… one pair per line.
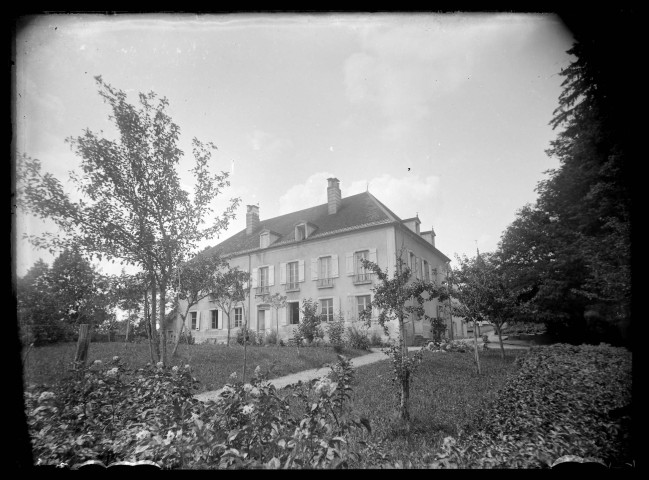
x=334, y=197
x=252, y=218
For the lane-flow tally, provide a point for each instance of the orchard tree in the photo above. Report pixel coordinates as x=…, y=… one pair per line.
x=276, y=301
x=400, y=298
x=196, y=280
x=230, y=289
x=37, y=306
x=133, y=208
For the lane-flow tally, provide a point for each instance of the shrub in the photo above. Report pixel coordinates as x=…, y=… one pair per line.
x=357, y=338
x=116, y=414
x=271, y=337
x=336, y=331
x=309, y=327
x=376, y=340
x=251, y=336
x=564, y=400
x=438, y=328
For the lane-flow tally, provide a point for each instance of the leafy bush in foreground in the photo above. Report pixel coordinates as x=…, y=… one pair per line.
x=115, y=414
x=565, y=400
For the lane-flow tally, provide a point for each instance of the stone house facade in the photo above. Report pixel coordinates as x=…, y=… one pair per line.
x=314, y=253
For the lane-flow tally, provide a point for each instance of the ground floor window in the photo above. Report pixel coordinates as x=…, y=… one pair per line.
x=362, y=302
x=327, y=309
x=193, y=321
x=215, y=319
x=293, y=313
x=238, y=317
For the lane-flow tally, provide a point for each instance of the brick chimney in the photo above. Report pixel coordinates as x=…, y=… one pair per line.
x=334, y=197
x=252, y=218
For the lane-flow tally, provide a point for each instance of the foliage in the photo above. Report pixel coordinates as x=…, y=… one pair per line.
x=446, y=345
x=438, y=327
x=248, y=334
x=276, y=301
x=132, y=207
x=228, y=290
x=271, y=337
x=249, y=426
x=565, y=400
x=336, y=331
x=357, y=338
x=572, y=246
x=399, y=297
x=309, y=327
x=376, y=340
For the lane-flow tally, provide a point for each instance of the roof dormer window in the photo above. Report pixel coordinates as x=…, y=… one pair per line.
x=263, y=240
x=300, y=232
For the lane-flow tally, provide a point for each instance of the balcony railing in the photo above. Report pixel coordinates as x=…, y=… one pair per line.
x=325, y=282
x=362, y=278
x=292, y=287
x=265, y=290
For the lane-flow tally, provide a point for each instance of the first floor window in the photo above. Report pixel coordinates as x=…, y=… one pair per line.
x=327, y=309
x=238, y=317
x=193, y=316
x=293, y=313
x=362, y=302
x=292, y=276
x=215, y=319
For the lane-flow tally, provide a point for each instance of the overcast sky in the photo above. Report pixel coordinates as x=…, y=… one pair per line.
x=441, y=115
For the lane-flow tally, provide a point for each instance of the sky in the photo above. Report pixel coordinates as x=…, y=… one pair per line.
x=444, y=116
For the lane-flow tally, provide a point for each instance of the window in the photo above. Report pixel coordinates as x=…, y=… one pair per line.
x=412, y=265
x=263, y=240
x=292, y=276
x=300, y=232
x=262, y=281
x=238, y=317
x=426, y=271
x=362, y=302
x=325, y=273
x=215, y=319
x=293, y=313
x=327, y=309
x=360, y=274
x=193, y=316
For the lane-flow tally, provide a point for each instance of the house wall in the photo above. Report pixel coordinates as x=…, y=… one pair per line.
x=382, y=240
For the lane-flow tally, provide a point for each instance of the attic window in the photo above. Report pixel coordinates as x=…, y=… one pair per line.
x=300, y=232
x=263, y=240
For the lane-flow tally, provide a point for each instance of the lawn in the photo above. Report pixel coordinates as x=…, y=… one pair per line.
x=211, y=364
x=446, y=394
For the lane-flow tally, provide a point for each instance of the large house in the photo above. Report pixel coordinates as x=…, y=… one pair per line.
x=315, y=253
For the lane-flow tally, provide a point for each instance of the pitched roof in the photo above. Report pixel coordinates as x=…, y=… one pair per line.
x=356, y=212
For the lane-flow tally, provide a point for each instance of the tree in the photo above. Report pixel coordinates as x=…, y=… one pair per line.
x=196, y=280
x=276, y=301
x=133, y=207
x=36, y=305
x=230, y=288
x=399, y=298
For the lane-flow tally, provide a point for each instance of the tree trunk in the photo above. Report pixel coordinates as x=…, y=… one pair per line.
x=147, y=324
x=245, y=345
x=475, y=343
x=404, y=412
x=154, y=331
x=128, y=325
x=500, y=339
x=163, y=323
x=177, y=342
x=82, y=345
x=229, y=326
x=277, y=324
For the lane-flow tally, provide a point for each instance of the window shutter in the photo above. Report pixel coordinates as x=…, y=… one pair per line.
x=284, y=315
x=423, y=269
x=314, y=269
x=300, y=270
x=372, y=256
x=375, y=311
x=334, y=266
x=271, y=275
x=198, y=320
x=351, y=308
x=282, y=273
x=417, y=268
x=254, y=277
x=336, y=304
x=349, y=257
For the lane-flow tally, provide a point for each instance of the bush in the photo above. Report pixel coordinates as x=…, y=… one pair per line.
x=376, y=340
x=309, y=327
x=271, y=338
x=251, y=336
x=564, y=400
x=115, y=414
x=336, y=332
x=357, y=339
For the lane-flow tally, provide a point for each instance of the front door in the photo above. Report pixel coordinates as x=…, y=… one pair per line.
x=261, y=320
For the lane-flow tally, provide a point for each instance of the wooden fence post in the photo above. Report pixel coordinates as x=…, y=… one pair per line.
x=82, y=345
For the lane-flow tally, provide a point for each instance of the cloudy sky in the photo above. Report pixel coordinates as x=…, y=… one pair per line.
x=441, y=115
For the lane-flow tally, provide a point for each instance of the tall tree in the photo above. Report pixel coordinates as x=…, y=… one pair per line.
x=133, y=207
x=401, y=299
x=230, y=289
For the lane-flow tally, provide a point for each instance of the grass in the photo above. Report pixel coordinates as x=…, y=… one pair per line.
x=211, y=364
x=446, y=393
